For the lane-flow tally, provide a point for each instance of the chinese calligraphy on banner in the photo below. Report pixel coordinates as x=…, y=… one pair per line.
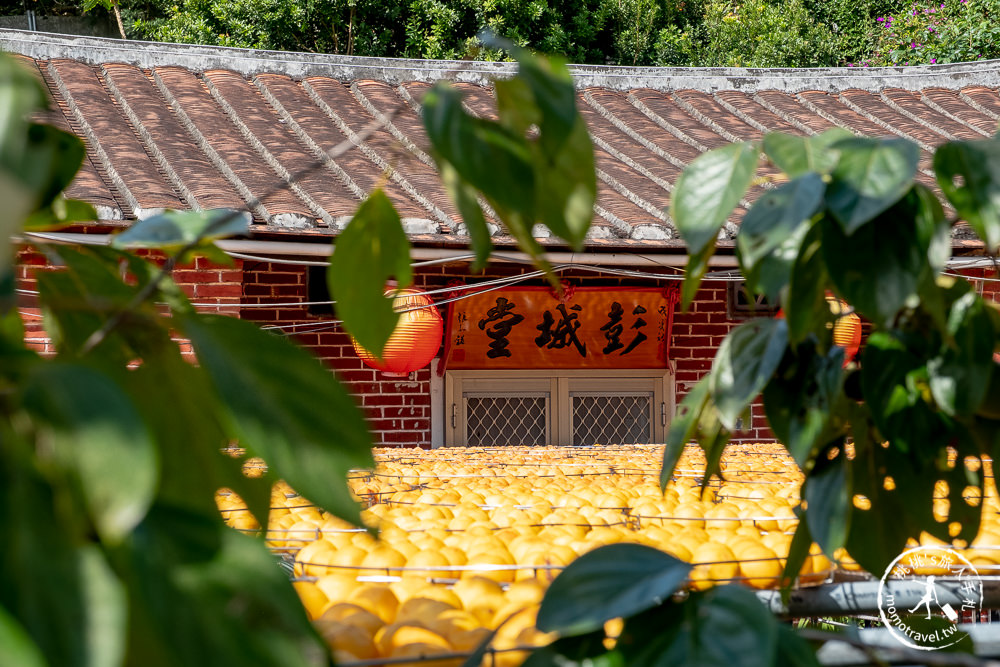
x=591, y=327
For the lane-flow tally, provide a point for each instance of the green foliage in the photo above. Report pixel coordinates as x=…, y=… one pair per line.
x=879, y=240
x=110, y=451
x=854, y=24
x=372, y=249
x=722, y=627
x=756, y=33
x=937, y=32
x=612, y=582
x=700, y=206
x=543, y=177
x=759, y=33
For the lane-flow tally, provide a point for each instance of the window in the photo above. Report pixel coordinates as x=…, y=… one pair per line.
x=742, y=304
x=317, y=291
x=574, y=407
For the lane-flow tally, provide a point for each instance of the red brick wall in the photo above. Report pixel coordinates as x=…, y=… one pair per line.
x=216, y=289
x=399, y=409
x=697, y=335
x=28, y=262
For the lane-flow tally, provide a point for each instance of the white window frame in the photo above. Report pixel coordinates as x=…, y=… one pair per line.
x=560, y=385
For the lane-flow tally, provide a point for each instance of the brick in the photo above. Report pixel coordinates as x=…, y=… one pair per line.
x=230, y=276
x=280, y=278
x=352, y=376
x=260, y=315
x=710, y=330
x=251, y=289
x=380, y=400
x=218, y=290
x=192, y=276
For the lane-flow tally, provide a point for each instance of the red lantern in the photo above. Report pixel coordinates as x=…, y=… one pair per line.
x=846, y=328
x=414, y=341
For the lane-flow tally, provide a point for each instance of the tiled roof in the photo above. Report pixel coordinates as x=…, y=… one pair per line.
x=177, y=126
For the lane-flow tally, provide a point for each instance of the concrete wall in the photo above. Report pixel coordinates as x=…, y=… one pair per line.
x=86, y=26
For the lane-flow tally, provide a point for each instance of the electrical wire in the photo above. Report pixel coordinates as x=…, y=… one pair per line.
x=473, y=289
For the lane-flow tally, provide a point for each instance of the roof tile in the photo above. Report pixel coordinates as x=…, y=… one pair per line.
x=259, y=129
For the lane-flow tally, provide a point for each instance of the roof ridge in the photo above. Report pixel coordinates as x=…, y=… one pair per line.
x=99, y=50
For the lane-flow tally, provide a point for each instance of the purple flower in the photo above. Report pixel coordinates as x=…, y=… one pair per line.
x=913, y=45
x=850, y=64
x=880, y=19
x=933, y=60
x=930, y=29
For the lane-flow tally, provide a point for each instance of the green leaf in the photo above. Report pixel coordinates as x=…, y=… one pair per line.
x=20, y=94
x=828, y=494
x=78, y=301
x=95, y=431
x=896, y=386
x=800, y=399
x=960, y=375
x=516, y=105
x=743, y=365
x=193, y=432
x=581, y=651
x=891, y=243
x=806, y=309
x=932, y=229
x=878, y=534
x=489, y=156
x=49, y=162
x=176, y=229
x=722, y=627
x=793, y=650
x=704, y=197
x=566, y=186
x=969, y=175
x=476, y=658
x=18, y=203
x=871, y=176
x=773, y=229
x=60, y=212
x=959, y=478
x=798, y=552
x=796, y=155
x=226, y=622
x=713, y=440
x=554, y=95
x=16, y=647
x=372, y=249
x=60, y=588
x=683, y=428
x=609, y=582
x=285, y=407
x=464, y=196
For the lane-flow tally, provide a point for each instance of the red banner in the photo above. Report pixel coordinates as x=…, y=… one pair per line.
x=589, y=327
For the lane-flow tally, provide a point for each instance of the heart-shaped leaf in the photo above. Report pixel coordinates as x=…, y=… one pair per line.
x=609, y=582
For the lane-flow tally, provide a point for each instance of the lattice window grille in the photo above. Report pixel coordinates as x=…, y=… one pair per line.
x=612, y=419
x=496, y=421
